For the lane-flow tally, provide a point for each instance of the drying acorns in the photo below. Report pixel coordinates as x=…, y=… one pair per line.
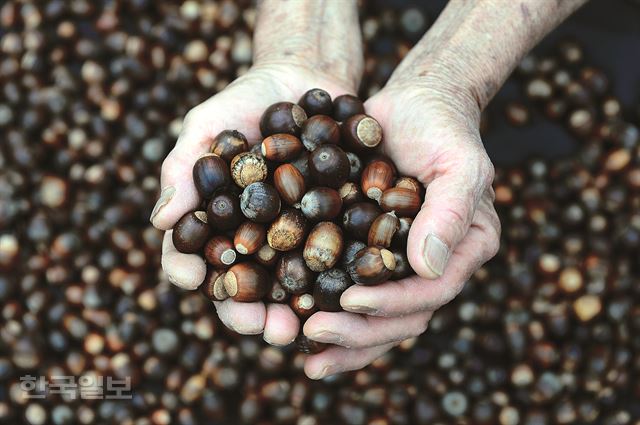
x=310, y=210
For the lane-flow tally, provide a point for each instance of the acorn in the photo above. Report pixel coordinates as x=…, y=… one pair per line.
x=361, y=132
x=350, y=193
x=309, y=346
x=321, y=204
x=357, y=219
x=223, y=211
x=281, y=147
x=277, y=294
x=329, y=287
x=405, y=202
x=219, y=252
x=403, y=268
x=316, y=102
x=302, y=164
x=228, y=144
x=402, y=234
x=260, y=202
x=282, y=117
x=319, y=130
x=377, y=177
x=293, y=274
x=303, y=305
x=290, y=184
x=287, y=231
x=210, y=173
x=247, y=282
x=372, y=266
x=323, y=247
x=410, y=183
x=191, y=232
x=329, y=166
x=355, y=167
x=346, y=106
x=247, y=168
x=351, y=248
x=383, y=229
x=249, y=237
x=266, y=256
x=213, y=285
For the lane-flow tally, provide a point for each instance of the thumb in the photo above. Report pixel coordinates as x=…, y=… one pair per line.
x=445, y=217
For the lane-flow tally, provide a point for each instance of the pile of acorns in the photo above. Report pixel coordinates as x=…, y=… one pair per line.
x=299, y=219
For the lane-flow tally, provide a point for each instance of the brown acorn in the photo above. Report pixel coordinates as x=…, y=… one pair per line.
x=290, y=184
x=282, y=117
x=210, y=173
x=309, y=346
x=303, y=305
x=402, y=234
x=247, y=282
x=323, y=247
x=329, y=287
x=302, y=164
x=409, y=183
x=277, y=294
x=213, y=285
x=351, y=248
x=223, y=211
x=329, y=166
x=319, y=130
x=355, y=167
x=287, y=231
x=383, y=229
x=316, y=102
x=350, y=193
x=405, y=202
x=266, y=256
x=228, y=144
x=321, y=204
x=377, y=177
x=293, y=274
x=346, y=106
x=281, y=147
x=191, y=232
x=247, y=168
x=260, y=202
x=372, y=266
x=249, y=237
x=403, y=268
x=219, y=252
x=357, y=219
x=361, y=132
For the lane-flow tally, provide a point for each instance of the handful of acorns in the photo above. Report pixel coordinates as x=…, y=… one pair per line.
x=304, y=215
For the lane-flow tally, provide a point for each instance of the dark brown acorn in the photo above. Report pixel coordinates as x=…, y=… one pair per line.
x=290, y=184
x=213, y=285
x=357, y=219
x=260, y=202
x=277, y=294
x=316, y=102
x=247, y=168
x=329, y=287
x=223, y=211
x=403, y=268
x=281, y=147
x=402, y=234
x=350, y=193
x=219, y=252
x=377, y=177
x=303, y=305
x=382, y=230
x=361, y=132
x=302, y=164
x=228, y=144
x=191, y=232
x=323, y=247
x=293, y=274
x=355, y=167
x=266, y=256
x=319, y=130
x=249, y=237
x=404, y=202
x=346, y=106
x=321, y=204
x=282, y=117
x=210, y=173
x=247, y=282
x=351, y=248
x=329, y=166
x=309, y=346
x=372, y=266
x=287, y=231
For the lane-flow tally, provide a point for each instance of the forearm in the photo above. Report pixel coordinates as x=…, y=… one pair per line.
x=476, y=44
x=321, y=35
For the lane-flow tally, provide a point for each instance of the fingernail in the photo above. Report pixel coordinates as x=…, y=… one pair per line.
x=327, y=337
x=326, y=371
x=275, y=344
x=362, y=309
x=436, y=254
x=165, y=196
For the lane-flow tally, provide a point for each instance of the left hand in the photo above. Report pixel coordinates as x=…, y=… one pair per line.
x=431, y=135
